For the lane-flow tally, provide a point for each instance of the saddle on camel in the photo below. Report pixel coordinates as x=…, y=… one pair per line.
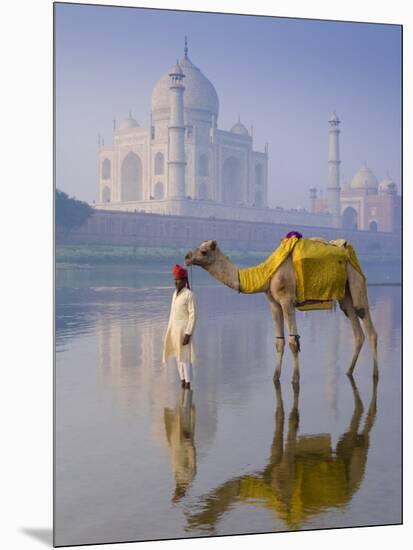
x=319, y=265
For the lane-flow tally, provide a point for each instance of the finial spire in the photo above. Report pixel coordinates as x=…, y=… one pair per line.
x=186, y=47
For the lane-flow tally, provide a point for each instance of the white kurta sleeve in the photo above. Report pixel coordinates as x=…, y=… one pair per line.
x=191, y=314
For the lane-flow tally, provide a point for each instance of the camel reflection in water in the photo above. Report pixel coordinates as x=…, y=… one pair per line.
x=304, y=475
x=180, y=429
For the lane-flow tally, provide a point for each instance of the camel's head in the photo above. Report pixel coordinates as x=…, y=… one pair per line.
x=204, y=255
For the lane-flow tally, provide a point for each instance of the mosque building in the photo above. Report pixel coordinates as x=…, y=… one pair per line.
x=184, y=165
x=365, y=204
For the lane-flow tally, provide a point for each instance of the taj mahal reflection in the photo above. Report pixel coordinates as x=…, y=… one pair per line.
x=129, y=363
x=303, y=475
x=130, y=352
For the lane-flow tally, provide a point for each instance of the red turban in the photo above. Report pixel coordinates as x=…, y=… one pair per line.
x=179, y=272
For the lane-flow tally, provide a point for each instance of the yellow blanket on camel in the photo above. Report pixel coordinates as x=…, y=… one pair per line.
x=320, y=269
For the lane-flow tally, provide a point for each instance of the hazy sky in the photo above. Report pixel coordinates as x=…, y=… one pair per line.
x=284, y=76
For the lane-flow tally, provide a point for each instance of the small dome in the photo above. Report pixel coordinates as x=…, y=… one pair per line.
x=240, y=129
x=129, y=122
x=387, y=185
x=364, y=179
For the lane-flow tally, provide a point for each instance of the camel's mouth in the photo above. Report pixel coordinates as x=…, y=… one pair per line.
x=189, y=259
x=189, y=263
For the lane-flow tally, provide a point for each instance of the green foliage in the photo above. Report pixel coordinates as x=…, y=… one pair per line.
x=115, y=254
x=70, y=212
x=94, y=254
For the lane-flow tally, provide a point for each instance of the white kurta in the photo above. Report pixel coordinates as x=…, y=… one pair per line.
x=181, y=322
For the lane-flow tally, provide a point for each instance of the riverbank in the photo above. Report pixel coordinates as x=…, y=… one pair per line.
x=110, y=261
x=94, y=255
x=137, y=255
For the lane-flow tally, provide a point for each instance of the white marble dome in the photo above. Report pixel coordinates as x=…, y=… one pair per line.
x=240, y=129
x=364, y=179
x=199, y=92
x=129, y=122
x=387, y=185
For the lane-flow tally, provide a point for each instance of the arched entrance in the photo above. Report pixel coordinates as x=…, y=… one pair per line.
x=106, y=169
x=159, y=164
x=373, y=227
x=106, y=194
x=131, y=178
x=158, y=192
x=231, y=181
x=203, y=167
x=203, y=191
x=258, y=174
x=258, y=198
x=349, y=218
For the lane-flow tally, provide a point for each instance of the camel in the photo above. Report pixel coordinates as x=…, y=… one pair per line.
x=281, y=293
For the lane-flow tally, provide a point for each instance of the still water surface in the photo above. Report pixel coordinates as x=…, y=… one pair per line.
x=139, y=458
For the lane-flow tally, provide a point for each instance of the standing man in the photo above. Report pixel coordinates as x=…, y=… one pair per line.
x=178, y=340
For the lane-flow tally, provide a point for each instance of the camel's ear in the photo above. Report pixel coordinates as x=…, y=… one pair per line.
x=213, y=245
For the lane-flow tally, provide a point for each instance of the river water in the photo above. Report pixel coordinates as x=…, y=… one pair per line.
x=138, y=458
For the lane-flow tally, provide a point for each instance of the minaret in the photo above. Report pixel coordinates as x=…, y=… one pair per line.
x=333, y=189
x=176, y=129
x=313, y=199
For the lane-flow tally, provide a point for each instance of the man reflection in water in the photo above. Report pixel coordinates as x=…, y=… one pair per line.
x=304, y=475
x=179, y=429
x=178, y=340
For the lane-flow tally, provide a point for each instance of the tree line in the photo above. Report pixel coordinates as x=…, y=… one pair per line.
x=70, y=212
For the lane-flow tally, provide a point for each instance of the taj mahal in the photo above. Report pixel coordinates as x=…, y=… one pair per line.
x=184, y=165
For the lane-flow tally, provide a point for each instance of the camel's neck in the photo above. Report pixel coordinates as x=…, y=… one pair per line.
x=224, y=271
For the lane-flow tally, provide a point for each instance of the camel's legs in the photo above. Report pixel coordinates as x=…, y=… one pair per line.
x=293, y=338
x=358, y=290
x=346, y=305
x=277, y=315
x=278, y=441
x=371, y=413
x=287, y=466
x=358, y=409
x=372, y=336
